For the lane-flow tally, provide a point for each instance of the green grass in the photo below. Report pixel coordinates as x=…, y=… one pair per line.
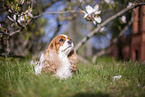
x=17, y=79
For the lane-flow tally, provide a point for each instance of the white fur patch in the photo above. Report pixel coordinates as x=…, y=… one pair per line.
x=39, y=65
x=64, y=71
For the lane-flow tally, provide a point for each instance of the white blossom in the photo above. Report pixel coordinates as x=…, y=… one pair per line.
x=138, y=85
x=97, y=19
x=91, y=10
x=20, y=18
x=102, y=29
x=123, y=19
x=130, y=4
x=110, y=2
x=30, y=12
x=81, y=0
x=14, y=17
x=92, y=13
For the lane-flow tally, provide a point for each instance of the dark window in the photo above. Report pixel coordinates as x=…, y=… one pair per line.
x=136, y=54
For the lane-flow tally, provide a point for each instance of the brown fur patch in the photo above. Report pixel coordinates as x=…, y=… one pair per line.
x=68, y=38
x=51, y=62
x=73, y=60
x=55, y=43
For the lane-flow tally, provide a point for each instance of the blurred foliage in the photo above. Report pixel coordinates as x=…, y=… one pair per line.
x=16, y=14
x=27, y=15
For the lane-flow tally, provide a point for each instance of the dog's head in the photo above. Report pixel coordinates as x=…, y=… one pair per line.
x=61, y=44
x=60, y=57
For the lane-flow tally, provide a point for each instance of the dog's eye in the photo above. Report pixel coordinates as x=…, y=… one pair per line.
x=61, y=40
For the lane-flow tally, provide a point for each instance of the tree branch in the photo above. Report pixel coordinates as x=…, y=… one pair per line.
x=71, y=11
x=13, y=33
x=2, y=31
x=104, y=23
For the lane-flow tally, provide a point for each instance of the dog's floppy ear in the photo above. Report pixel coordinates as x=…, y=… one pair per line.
x=51, y=62
x=73, y=60
x=51, y=45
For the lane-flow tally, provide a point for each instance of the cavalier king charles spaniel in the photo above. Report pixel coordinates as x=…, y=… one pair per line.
x=59, y=59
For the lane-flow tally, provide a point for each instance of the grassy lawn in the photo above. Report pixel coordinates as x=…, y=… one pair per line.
x=18, y=79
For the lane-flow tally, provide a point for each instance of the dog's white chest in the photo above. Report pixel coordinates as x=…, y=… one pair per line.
x=64, y=70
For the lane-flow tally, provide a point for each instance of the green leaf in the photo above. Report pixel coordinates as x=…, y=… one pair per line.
x=119, y=27
x=42, y=31
x=36, y=33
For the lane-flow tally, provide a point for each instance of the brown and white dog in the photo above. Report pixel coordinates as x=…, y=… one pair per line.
x=59, y=59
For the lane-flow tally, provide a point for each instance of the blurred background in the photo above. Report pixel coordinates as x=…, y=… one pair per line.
x=27, y=27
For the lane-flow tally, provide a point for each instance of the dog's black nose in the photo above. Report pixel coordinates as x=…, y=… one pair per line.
x=69, y=42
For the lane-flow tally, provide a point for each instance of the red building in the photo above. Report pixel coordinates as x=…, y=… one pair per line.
x=132, y=47
x=138, y=36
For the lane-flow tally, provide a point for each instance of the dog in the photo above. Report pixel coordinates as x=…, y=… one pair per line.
x=59, y=59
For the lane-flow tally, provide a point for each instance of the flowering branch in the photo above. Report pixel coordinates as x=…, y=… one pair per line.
x=83, y=41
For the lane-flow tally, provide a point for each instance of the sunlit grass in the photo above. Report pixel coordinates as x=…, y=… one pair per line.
x=17, y=78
